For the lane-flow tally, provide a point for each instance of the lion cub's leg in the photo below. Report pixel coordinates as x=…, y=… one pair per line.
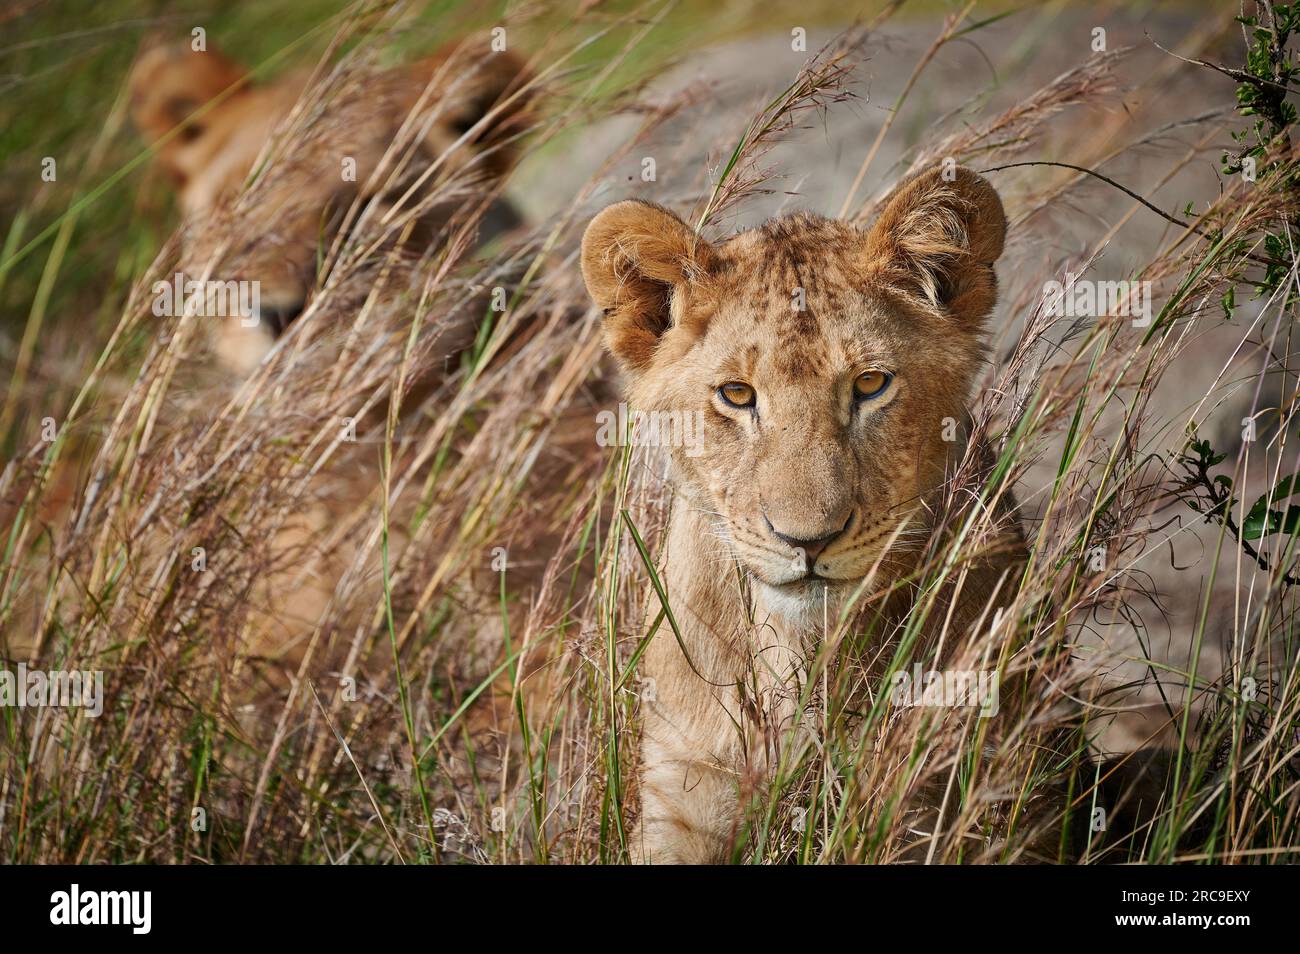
x=689, y=801
x=704, y=751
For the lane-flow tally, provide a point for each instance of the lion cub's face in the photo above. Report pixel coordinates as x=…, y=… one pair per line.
x=826, y=365
x=210, y=124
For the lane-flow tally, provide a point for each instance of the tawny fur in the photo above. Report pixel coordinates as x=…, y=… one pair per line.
x=683, y=317
x=210, y=122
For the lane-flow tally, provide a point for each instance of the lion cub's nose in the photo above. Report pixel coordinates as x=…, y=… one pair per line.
x=811, y=546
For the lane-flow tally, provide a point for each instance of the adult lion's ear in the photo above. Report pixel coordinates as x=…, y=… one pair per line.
x=939, y=235
x=639, y=261
x=169, y=81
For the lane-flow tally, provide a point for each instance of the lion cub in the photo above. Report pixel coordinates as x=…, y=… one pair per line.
x=822, y=361
x=375, y=139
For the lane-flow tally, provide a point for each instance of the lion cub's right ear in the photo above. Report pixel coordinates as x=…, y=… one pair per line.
x=169, y=82
x=639, y=262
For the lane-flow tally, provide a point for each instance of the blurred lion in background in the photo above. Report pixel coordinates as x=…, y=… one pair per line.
x=365, y=146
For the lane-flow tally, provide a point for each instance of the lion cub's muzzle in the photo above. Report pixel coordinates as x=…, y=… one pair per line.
x=807, y=548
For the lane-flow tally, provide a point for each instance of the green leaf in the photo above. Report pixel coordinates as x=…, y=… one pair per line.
x=1261, y=520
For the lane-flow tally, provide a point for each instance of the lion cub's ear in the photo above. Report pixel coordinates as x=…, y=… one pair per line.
x=940, y=237
x=639, y=260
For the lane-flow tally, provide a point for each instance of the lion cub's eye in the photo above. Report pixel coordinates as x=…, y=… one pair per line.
x=871, y=384
x=737, y=394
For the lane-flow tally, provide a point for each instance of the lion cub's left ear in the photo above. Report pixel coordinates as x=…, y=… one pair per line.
x=939, y=236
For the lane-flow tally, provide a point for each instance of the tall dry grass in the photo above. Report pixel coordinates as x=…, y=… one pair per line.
x=421, y=644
